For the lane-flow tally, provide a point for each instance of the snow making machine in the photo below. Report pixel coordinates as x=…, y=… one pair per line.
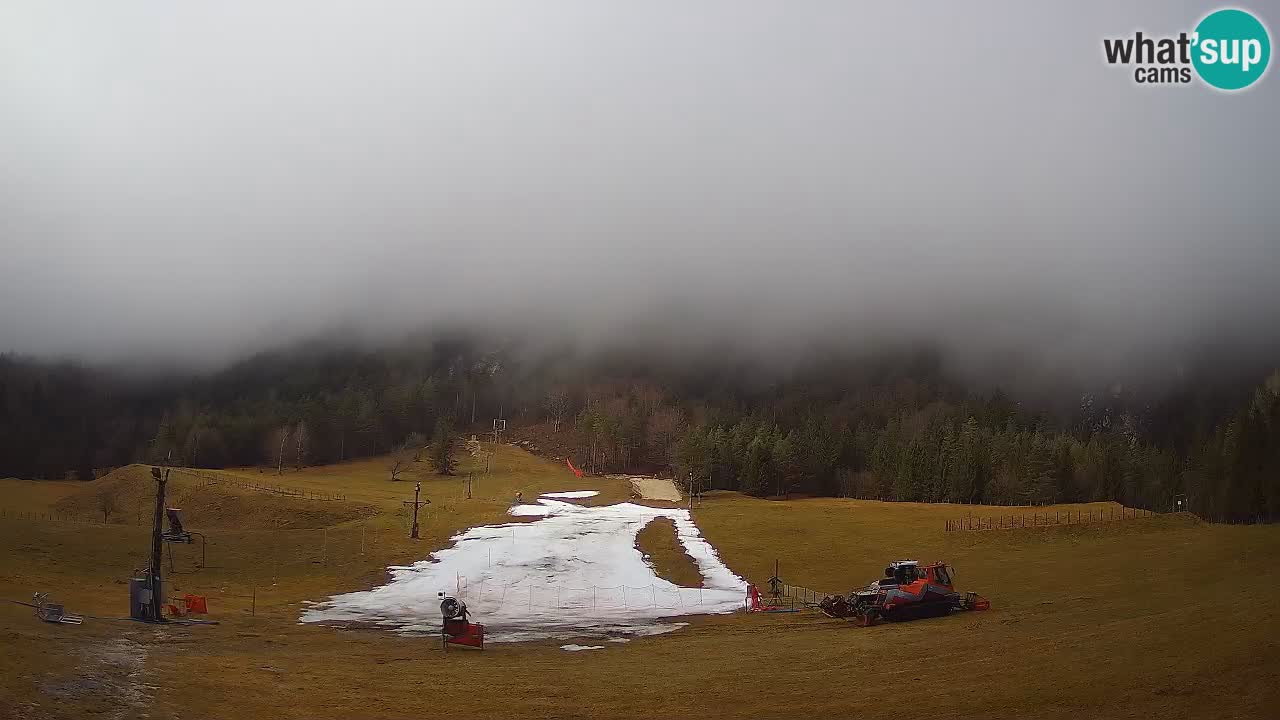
x=908, y=591
x=457, y=629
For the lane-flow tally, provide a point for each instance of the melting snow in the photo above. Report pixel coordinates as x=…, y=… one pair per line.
x=575, y=572
x=572, y=494
x=575, y=648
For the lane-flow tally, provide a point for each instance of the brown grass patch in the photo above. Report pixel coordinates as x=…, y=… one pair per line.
x=204, y=506
x=1142, y=619
x=661, y=548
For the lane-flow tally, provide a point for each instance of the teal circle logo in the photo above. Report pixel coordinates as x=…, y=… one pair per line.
x=1232, y=49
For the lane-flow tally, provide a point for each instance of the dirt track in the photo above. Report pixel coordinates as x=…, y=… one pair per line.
x=655, y=489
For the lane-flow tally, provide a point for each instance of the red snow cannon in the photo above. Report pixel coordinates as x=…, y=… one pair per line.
x=457, y=630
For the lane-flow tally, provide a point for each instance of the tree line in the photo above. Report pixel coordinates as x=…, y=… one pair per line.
x=896, y=428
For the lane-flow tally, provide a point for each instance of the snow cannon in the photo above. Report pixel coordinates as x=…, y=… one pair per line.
x=457, y=630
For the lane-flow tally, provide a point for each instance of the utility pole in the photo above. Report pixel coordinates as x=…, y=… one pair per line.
x=498, y=426
x=416, y=503
x=157, y=540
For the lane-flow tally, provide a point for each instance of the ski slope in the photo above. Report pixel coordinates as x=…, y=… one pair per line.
x=573, y=572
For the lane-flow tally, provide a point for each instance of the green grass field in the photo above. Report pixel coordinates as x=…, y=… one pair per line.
x=1142, y=618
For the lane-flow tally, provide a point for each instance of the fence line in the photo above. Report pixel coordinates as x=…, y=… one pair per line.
x=807, y=597
x=1056, y=518
x=987, y=502
x=54, y=516
x=281, y=490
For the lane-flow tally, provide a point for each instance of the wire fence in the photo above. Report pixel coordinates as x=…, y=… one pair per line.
x=799, y=596
x=209, y=479
x=985, y=502
x=1088, y=516
x=61, y=517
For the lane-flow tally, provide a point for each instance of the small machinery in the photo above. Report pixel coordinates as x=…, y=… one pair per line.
x=908, y=591
x=457, y=630
x=178, y=534
x=52, y=612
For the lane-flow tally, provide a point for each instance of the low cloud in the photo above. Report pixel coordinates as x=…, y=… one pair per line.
x=191, y=184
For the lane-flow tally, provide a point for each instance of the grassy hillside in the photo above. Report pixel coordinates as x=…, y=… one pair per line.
x=1139, y=618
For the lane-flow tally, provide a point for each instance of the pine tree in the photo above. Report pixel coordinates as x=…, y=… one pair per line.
x=442, y=450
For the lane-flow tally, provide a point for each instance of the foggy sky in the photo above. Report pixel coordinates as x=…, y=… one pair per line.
x=196, y=181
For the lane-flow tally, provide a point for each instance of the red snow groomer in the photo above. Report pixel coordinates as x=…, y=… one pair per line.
x=908, y=591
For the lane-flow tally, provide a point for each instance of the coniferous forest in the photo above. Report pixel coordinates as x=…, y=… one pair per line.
x=894, y=427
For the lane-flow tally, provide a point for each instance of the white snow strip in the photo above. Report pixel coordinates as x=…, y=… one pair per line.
x=619, y=640
x=575, y=648
x=529, y=511
x=572, y=494
x=574, y=572
x=543, y=508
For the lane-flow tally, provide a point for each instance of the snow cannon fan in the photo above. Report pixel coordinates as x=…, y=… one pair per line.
x=457, y=630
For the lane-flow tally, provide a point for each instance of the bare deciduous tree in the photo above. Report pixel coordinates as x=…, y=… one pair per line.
x=403, y=455
x=108, y=501
x=302, y=443
x=280, y=440
x=648, y=397
x=398, y=463
x=665, y=427
x=557, y=404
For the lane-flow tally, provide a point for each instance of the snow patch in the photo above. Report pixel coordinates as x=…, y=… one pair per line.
x=572, y=494
x=575, y=648
x=543, y=508
x=574, y=572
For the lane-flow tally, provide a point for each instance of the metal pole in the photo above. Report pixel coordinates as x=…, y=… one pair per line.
x=154, y=578
x=417, y=488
